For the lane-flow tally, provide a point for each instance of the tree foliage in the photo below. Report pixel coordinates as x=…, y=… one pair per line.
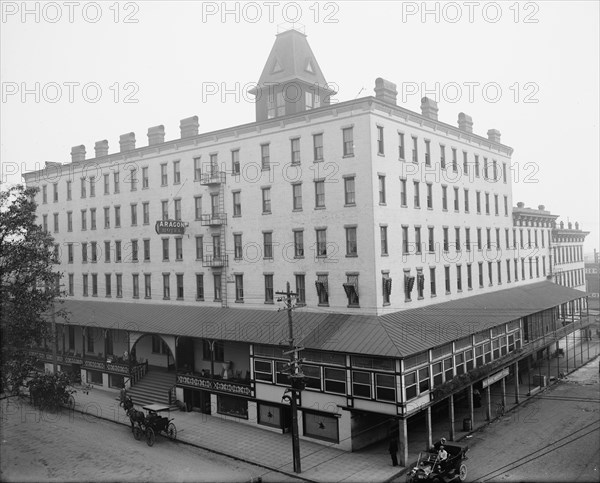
x=29, y=284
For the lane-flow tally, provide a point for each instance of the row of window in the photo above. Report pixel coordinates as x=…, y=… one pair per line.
x=90, y=287
x=568, y=254
x=509, y=268
x=442, y=370
x=416, y=244
x=491, y=171
x=88, y=183
x=571, y=278
x=297, y=204
x=464, y=278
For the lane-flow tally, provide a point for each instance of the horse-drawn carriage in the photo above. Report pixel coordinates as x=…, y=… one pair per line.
x=430, y=467
x=151, y=424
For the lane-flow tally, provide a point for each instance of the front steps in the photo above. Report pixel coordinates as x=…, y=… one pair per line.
x=153, y=388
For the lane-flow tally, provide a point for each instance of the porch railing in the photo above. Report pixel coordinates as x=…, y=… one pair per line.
x=227, y=386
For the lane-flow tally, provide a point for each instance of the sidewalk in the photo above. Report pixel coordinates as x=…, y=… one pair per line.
x=258, y=446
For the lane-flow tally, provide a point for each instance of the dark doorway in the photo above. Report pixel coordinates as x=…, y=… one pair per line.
x=197, y=400
x=185, y=354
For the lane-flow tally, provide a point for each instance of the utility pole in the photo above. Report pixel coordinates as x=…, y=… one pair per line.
x=296, y=375
x=55, y=291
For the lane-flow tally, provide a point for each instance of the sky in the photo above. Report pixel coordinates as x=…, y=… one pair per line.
x=78, y=72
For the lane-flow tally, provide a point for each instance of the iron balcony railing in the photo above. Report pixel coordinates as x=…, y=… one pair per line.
x=214, y=261
x=213, y=219
x=212, y=177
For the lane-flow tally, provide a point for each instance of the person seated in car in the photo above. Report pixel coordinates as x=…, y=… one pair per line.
x=442, y=454
x=437, y=445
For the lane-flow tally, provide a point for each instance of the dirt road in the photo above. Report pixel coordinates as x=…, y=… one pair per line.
x=73, y=447
x=552, y=437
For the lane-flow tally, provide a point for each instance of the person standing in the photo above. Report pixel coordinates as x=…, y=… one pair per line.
x=393, y=449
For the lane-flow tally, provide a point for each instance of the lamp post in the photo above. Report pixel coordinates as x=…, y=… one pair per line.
x=296, y=376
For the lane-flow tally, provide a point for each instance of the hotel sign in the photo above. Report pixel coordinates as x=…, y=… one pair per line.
x=170, y=227
x=495, y=377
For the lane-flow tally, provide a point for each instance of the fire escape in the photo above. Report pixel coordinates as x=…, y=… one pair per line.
x=216, y=220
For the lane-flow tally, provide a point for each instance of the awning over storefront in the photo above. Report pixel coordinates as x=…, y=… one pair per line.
x=400, y=334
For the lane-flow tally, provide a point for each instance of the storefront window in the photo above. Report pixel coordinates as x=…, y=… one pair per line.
x=232, y=406
x=269, y=415
x=94, y=377
x=320, y=426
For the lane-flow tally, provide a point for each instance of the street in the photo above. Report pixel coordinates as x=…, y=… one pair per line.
x=75, y=447
x=554, y=436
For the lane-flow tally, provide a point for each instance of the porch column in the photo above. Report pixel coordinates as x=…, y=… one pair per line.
x=549, y=358
x=567, y=350
x=428, y=424
x=503, y=388
x=528, y=374
x=471, y=409
x=517, y=380
x=451, y=414
x=488, y=395
x=83, y=339
x=403, y=440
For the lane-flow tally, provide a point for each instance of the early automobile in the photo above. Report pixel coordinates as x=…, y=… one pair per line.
x=155, y=423
x=430, y=466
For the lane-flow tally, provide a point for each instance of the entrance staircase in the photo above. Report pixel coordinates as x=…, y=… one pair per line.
x=153, y=388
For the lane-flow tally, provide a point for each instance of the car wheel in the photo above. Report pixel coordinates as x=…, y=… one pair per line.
x=462, y=472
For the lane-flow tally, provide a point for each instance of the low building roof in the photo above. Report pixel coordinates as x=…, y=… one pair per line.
x=400, y=334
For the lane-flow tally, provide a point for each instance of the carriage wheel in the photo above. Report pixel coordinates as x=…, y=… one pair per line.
x=172, y=431
x=137, y=433
x=150, y=437
x=462, y=472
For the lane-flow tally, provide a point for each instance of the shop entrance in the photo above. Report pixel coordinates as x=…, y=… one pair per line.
x=197, y=400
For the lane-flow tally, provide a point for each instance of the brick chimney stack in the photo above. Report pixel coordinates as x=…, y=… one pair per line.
x=189, y=127
x=429, y=108
x=386, y=91
x=127, y=142
x=101, y=148
x=156, y=135
x=465, y=122
x=494, y=135
x=78, y=153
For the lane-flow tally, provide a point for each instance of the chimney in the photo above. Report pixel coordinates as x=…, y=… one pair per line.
x=127, y=142
x=562, y=225
x=429, y=108
x=520, y=204
x=189, y=127
x=465, y=123
x=385, y=91
x=101, y=148
x=78, y=153
x=577, y=225
x=494, y=135
x=570, y=226
x=156, y=135
x=541, y=207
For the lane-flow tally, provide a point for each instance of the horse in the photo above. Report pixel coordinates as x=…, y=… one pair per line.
x=134, y=415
